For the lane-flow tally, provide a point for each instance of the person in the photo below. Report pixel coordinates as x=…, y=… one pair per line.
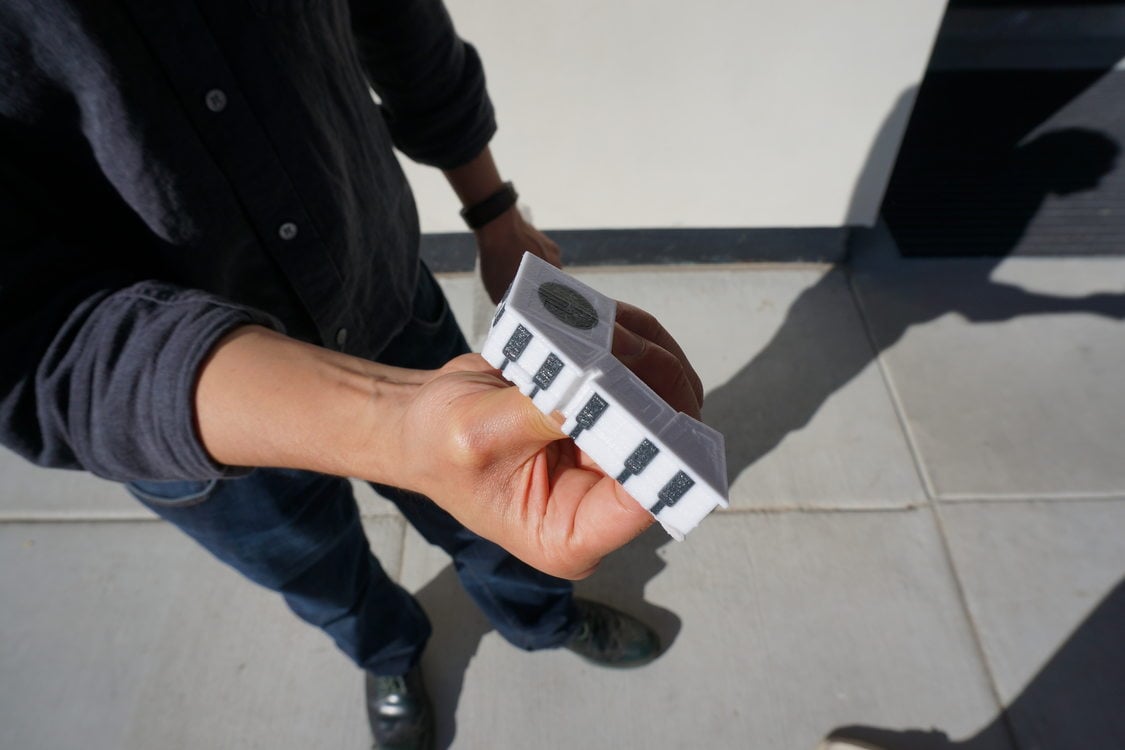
x=210, y=290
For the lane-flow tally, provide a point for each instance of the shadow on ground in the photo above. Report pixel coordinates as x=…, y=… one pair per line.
x=458, y=629
x=1077, y=700
x=459, y=626
x=809, y=359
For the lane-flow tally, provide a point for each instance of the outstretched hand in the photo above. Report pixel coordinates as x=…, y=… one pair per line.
x=460, y=435
x=485, y=453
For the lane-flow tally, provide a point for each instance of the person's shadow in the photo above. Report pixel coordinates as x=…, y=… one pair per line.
x=459, y=626
x=1077, y=700
x=806, y=361
x=781, y=389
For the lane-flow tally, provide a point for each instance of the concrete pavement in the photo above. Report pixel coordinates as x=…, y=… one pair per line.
x=925, y=544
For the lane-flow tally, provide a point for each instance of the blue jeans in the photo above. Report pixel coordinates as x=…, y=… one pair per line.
x=299, y=533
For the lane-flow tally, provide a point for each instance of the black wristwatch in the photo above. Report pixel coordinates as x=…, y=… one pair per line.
x=479, y=214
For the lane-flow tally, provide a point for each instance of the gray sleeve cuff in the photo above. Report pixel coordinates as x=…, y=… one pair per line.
x=118, y=383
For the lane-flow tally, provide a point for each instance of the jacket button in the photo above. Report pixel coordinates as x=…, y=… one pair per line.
x=341, y=337
x=215, y=100
x=287, y=231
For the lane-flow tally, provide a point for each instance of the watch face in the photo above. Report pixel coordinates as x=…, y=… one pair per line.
x=568, y=305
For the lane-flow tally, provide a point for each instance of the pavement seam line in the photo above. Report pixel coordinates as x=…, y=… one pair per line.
x=401, y=548
x=778, y=509
x=755, y=511
x=934, y=506
x=892, y=391
x=978, y=642
x=960, y=497
x=1043, y=500
x=137, y=518
x=33, y=519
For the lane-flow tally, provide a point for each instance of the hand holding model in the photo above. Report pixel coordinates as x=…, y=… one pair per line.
x=460, y=435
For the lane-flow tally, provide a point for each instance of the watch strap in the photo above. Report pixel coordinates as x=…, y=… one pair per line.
x=479, y=214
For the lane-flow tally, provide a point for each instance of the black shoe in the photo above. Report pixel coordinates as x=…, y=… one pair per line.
x=612, y=639
x=399, y=711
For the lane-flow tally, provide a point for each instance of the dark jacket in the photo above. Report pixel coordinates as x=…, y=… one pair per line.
x=170, y=170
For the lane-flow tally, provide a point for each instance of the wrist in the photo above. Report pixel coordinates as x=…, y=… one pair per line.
x=475, y=180
x=503, y=225
x=368, y=423
x=263, y=399
x=485, y=212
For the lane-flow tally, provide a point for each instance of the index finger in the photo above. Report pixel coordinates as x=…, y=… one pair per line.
x=645, y=325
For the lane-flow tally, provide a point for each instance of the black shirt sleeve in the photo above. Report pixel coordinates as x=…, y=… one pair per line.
x=99, y=366
x=431, y=83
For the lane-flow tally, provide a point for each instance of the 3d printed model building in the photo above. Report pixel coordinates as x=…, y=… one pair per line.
x=551, y=337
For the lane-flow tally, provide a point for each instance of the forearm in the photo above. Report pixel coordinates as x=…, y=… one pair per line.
x=263, y=399
x=461, y=436
x=475, y=180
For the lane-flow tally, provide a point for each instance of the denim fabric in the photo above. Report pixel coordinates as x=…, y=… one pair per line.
x=299, y=533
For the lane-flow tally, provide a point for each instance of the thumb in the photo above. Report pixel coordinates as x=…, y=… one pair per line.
x=515, y=421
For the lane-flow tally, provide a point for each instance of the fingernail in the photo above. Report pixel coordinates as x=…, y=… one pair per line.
x=627, y=344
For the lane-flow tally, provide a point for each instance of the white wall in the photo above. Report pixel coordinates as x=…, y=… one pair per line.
x=715, y=113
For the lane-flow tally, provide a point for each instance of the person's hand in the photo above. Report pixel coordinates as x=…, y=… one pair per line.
x=642, y=345
x=460, y=435
x=502, y=243
x=481, y=450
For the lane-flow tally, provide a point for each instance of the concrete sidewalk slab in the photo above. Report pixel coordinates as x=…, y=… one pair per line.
x=1007, y=373
x=790, y=381
x=1045, y=584
x=133, y=638
x=462, y=290
x=30, y=492
x=783, y=625
x=782, y=628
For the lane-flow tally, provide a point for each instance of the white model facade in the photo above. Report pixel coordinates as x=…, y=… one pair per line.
x=551, y=337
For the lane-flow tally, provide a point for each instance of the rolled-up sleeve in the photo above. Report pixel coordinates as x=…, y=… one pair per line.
x=104, y=379
x=430, y=82
x=115, y=392
x=99, y=364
